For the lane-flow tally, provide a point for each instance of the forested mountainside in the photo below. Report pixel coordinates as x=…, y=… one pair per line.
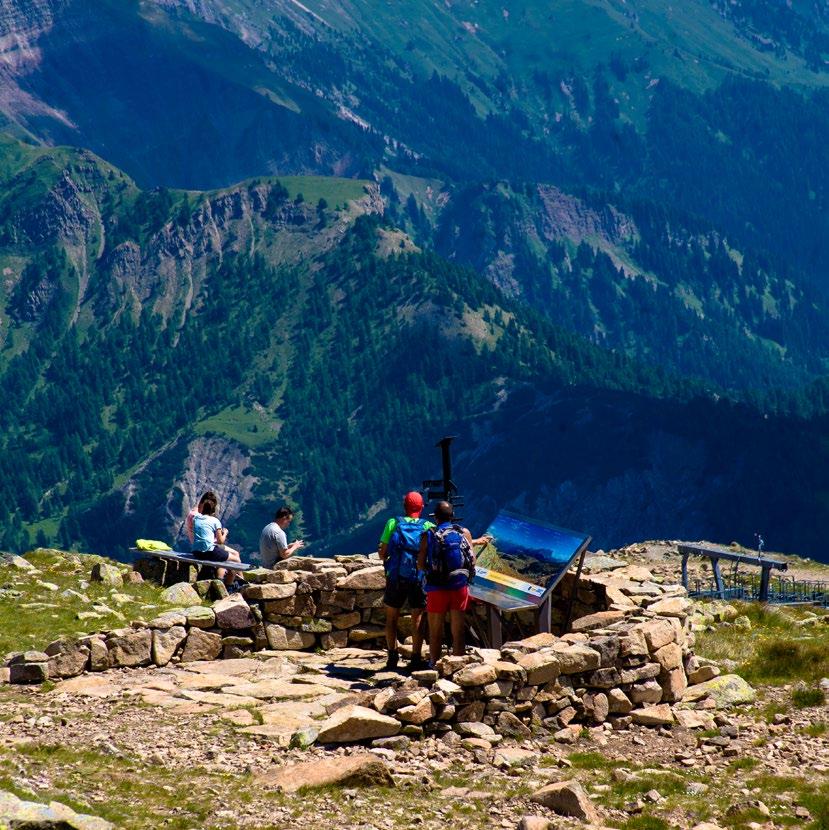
x=611, y=209
x=283, y=345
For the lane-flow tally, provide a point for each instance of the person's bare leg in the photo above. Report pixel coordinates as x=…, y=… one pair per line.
x=457, y=622
x=417, y=633
x=436, y=622
x=392, y=616
x=230, y=576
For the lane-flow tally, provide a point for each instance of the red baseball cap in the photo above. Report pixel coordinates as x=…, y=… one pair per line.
x=413, y=503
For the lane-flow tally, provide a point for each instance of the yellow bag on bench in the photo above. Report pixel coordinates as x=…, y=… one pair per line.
x=151, y=544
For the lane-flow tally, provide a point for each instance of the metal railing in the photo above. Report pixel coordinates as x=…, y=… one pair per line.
x=782, y=590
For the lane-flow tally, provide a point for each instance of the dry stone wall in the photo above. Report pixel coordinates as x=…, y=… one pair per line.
x=628, y=657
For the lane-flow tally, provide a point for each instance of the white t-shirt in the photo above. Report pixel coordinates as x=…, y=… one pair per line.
x=272, y=544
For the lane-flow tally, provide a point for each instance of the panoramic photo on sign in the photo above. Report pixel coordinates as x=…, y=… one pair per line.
x=529, y=549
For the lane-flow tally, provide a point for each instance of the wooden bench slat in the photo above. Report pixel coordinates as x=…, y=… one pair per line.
x=189, y=559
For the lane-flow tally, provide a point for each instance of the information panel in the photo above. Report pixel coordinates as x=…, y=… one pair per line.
x=524, y=561
x=505, y=592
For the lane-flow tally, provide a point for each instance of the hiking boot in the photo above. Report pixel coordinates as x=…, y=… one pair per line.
x=391, y=661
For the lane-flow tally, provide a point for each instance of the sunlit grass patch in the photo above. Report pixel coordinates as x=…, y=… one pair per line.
x=775, y=649
x=37, y=608
x=804, y=698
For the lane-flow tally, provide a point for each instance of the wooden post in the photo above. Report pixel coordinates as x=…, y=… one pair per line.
x=715, y=566
x=544, y=615
x=496, y=632
x=764, y=583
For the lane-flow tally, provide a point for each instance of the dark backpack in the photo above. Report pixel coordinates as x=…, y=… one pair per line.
x=401, y=553
x=450, y=562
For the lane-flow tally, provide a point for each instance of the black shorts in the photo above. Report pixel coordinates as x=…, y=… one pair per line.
x=218, y=554
x=401, y=591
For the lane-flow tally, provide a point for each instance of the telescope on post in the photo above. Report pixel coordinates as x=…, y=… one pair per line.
x=443, y=489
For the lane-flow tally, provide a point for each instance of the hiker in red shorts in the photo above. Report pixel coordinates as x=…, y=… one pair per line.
x=447, y=556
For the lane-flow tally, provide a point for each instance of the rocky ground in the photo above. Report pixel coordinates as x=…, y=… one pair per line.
x=206, y=745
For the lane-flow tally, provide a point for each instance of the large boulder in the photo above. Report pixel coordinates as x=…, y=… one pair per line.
x=288, y=639
x=726, y=690
x=108, y=574
x=271, y=590
x=672, y=607
x=16, y=813
x=567, y=798
x=360, y=770
x=541, y=667
x=660, y=715
x=165, y=643
x=533, y=643
x=477, y=674
x=658, y=633
x=366, y=579
x=29, y=667
x=601, y=619
x=577, y=658
x=67, y=658
x=352, y=724
x=199, y=616
x=201, y=645
x=233, y=613
x=129, y=648
x=182, y=594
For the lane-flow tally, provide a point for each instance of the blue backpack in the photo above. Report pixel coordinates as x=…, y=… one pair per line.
x=402, y=550
x=450, y=563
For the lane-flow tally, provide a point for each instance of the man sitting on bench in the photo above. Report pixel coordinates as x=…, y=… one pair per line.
x=209, y=541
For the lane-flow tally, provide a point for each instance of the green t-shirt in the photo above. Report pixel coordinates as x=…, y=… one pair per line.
x=391, y=526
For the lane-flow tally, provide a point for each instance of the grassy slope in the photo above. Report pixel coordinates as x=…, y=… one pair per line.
x=28, y=172
x=687, y=42
x=36, y=606
x=774, y=644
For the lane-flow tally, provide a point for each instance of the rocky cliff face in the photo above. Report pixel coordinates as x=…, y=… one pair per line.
x=222, y=463
x=566, y=217
x=77, y=73
x=22, y=24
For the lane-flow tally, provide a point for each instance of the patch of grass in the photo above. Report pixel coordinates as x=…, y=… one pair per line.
x=784, y=659
x=816, y=802
x=590, y=760
x=249, y=428
x=123, y=791
x=804, y=698
x=669, y=784
x=313, y=188
x=776, y=651
x=33, y=613
x=740, y=818
x=743, y=764
x=768, y=783
x=772, y=709
x=815, y=730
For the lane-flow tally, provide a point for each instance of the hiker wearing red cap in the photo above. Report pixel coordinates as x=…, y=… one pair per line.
x=399, y=544
x=447, y=558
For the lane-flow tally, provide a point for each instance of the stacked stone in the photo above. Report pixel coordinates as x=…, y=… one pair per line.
x=627, y=672
x=625, y=662
x=325, y=603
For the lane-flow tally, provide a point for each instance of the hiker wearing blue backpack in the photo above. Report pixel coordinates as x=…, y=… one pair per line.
x=399, y=545
x=447, y=556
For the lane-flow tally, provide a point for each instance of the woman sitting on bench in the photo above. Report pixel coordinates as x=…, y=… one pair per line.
x=209, y=540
